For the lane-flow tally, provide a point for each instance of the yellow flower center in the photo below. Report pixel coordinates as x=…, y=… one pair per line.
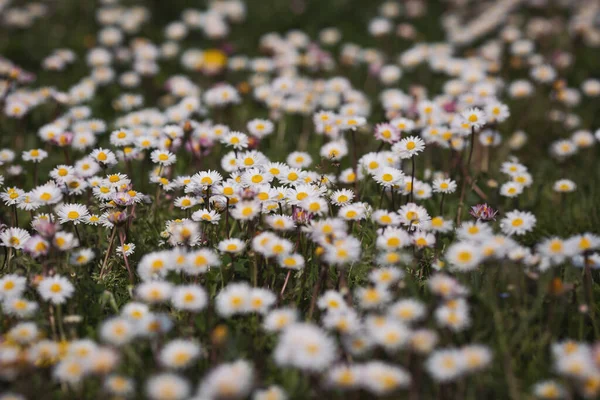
x=73, y=215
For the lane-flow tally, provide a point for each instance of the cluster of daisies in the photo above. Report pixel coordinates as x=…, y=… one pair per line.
x=352, y=263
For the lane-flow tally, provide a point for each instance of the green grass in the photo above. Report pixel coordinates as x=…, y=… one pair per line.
x=512, y=310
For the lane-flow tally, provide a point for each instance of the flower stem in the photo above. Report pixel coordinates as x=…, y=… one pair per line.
x=110, y=243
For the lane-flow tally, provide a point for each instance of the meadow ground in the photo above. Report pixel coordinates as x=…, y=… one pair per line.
x=299, y=199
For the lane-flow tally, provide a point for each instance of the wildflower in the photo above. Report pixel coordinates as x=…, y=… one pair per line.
x=408, y=147
x=15, y=238
x=104, y=157
x=12, y=285
x=474, y=117
x=413, y=215
x=388, y=176
x=517, y=222
x=464, y=256
x=189, y=297
x=233, y=299
x=278, y=319
x=75, y=213
x=117, y=331
x=381, y=378
x=167, y=386
x=179, y=353
x=231, y=246
x=34, y=155
x=154, y=291
x=483, y=212
x=164, y=158
x=232, y=380
x=305, y=346
x=444, y=186
x=564, y=186
x=56, y=289
x=445, y=365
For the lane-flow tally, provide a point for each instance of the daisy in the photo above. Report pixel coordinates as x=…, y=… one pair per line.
x=291, y=261
x=119, y=385
x=439, y=224
x=444, y=186
x=549, y=390
x=445, y=365
x=413, y=215
x=280, y=222
x=121, y=137
x=237, y=140
x=388, y=176
x=228, y=380
x=511, y=189
x=75, y=213
x=82, y=256
x=245, y=210
x=371, y=162
x=298, y=159
x=185, y=202
x=205, y=215
x=255, y=176
x=12, y=196
x=200, y=261
x=47, y=194
x=496, y=111
x=517, y=222
x=474, y=230
x=555, y=249
x=334, y=150
x=314, y=205
x=179, y=353
x=19, y=307
x=342, y=251
x=34, y=155
x=292, y=176
x=233, y=299
x=408, y=147
x=261, y=300
x=305, y=346
x=387, y=133
x=563, y=148
x=203, y=179
x=167, y=386
x=260, y=128
x=342, y=197
x=251, y=159
x=126, y=250
x=189, y=298
x=162, y=157
x=476, y=357
x=15, y=238
x=70, y=370
x=385, y=218
x=271, y=393
x=474, y=117
x=564, y=186
x=585, y=242
x=55, y=289
x=104, y=157
x=154, y=292
x=407, y=310
x=233, y=246
x=12, y=286
x=423, y=239
x=372, y=297
x=464, y=256
x=353, y=212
